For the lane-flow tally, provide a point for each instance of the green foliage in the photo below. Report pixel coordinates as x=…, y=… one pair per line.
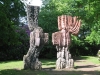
x=87, y=42
x=93, y=38
x=11, y=42
x=16, y=50
x=9, y=17
x=7, y=32
x=12, y=9
x=50, y=10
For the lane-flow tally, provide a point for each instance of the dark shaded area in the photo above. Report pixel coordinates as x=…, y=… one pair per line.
x=87, y=66
x=12, y=41
x=49, y=71
x=17, y=50
x=80, y=57
x=84, y=50
x=48, y=51
x=73, y=73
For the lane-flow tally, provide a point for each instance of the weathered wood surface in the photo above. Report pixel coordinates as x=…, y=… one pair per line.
x=32, y=16
x=67, y=25
x=37, y=40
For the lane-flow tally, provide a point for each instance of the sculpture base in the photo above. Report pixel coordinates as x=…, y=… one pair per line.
x=63, y=64
x=64, y=59
x=33, y=65
x=60, y=63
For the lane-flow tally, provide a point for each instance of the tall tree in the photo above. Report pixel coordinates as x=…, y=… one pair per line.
x=86, y=10
x=10, y=11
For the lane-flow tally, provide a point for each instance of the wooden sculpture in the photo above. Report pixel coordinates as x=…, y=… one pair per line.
x=67, y=25
x=37, y=40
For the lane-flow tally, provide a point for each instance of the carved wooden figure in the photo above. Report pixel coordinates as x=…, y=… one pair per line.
x=37, y=40
x=67, y=25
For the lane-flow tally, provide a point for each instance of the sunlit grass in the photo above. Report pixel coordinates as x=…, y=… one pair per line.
x=46, y=63
x=16, y=67
x=11, y=65
x=92, y=59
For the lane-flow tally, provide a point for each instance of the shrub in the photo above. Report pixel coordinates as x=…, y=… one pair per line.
x=17, y=50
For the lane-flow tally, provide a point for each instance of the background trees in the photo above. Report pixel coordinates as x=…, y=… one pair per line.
x=87, y=42
x=11, y=41
x=14, y=41
x=88, y=12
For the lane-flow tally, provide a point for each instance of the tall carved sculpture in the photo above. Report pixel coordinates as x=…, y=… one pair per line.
x=67, y=25
x=37, y=39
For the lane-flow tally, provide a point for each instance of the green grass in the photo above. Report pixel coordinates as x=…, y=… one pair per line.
x=46, y=63
x=92, y=59
x=11, y=65
x=16, y=68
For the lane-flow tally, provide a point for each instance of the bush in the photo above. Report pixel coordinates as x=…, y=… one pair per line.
x=17, y=50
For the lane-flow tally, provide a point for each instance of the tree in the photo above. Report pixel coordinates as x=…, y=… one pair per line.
x=50, y=10
x=9, y=17
x=86, y=10
x=90, y=28
x=10, y=11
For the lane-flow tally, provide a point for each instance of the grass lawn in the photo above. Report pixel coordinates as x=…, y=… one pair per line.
x=92, y=59
x=16, y=67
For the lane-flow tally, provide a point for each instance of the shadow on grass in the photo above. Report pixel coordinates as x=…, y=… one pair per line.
x=73, y=73
x=47, y=72
x=48, y=61
x=21, y=72
x=81, y=58
x=86, y=66
x=3, y=62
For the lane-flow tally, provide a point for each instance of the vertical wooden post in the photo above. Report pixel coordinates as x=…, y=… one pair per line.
x=37, y=40
x=32, y=16
x=67, y=25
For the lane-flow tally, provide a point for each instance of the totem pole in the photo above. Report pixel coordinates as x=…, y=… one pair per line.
x=67, y=25
x=37, y=39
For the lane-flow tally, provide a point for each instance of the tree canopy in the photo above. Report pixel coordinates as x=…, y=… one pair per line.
x=87, y=42
x=11, y=36
x=10, y=11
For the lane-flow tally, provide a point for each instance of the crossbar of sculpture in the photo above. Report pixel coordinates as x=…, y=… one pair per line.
x=71, y=24
x=62, y=39
x=37, y=39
